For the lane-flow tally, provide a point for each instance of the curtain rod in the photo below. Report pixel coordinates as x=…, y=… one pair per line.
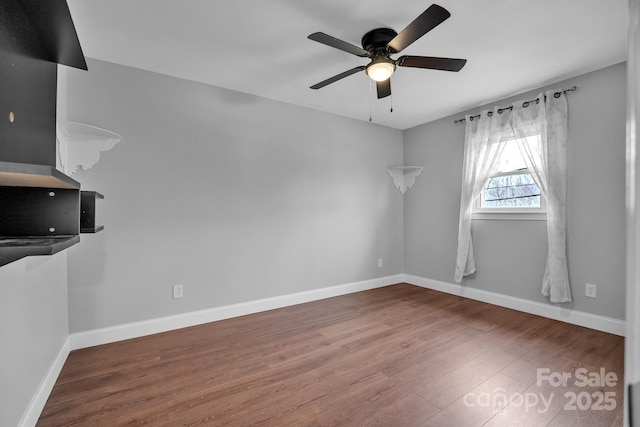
x=524, y=105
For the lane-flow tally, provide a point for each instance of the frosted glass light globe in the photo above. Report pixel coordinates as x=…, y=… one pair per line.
x=380, y=70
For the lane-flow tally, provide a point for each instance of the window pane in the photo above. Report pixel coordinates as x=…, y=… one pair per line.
x=511, y=191
x=510, y=159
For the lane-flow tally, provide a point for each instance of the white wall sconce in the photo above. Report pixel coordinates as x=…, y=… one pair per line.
x=404, y=176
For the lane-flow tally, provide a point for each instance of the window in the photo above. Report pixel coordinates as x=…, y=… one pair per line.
x=511, y=192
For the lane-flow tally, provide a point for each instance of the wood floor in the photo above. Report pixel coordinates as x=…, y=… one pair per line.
x=394, y=356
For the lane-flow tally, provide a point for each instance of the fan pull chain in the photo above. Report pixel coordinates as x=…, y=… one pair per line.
x=370, y=95
x=391, y=99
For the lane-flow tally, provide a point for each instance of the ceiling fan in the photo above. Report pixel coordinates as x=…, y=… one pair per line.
x=381, y=43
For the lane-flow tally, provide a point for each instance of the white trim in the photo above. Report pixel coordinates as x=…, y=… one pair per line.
x=525, y=215
x=556, y=312
x=632, y=341
x=163, y=324
x=39, y=399
x=94, y=337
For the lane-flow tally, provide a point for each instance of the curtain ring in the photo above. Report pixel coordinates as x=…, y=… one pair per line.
x=471, y=118
x=556, y=95
x=538, y=101
x=500, y=110
x=525, y=104
x=490, y=113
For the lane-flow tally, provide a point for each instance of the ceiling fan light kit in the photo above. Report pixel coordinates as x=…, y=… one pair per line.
x=380, y=68
x=379, y=44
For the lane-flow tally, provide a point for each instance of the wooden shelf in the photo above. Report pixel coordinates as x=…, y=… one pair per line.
x=12, y=249
x=29, y=175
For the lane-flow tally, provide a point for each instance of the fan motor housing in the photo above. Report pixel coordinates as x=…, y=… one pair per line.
x=377, y=40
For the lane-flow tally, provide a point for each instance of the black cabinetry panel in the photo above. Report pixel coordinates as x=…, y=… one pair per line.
x=29, y=95
x=41, y=30
x=39, y=205
x=28, y=211
x=88, y=212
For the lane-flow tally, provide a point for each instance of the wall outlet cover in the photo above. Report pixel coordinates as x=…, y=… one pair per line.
x=590, y=290
x=177, y=291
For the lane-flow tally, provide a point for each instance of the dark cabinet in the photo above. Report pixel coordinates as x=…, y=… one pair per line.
x=28, y=105
x=88, y=211
x=39, y=211
x=35, y=36
x=40, y=207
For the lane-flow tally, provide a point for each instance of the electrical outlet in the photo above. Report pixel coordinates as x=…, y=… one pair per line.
x=590, y=290
x=379, y=262
x=177, y=291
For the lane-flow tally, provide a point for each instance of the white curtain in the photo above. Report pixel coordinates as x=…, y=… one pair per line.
x=540, y=128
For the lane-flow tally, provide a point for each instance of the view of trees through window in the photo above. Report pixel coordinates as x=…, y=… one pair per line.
x=511, y=186
x=518, y=190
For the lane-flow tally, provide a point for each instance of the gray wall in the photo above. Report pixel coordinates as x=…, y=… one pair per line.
x=33, y=328
x=510, y=255
x=236, y=197
x=240, y=198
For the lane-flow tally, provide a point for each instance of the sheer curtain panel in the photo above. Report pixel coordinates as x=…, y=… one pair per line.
x=540, y=129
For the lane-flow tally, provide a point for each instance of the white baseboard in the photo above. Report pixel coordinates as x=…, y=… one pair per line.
x=32, y=414
x=137, y=329
x=164, y=324
x=551, y=311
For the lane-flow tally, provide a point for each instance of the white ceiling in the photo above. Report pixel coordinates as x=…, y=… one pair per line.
x=261, y=48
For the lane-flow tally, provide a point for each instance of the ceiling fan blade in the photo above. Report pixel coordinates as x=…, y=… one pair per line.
x=430, y=18
x=433, y=63
x=338, y=44
x=384, y=88
x=338, y=77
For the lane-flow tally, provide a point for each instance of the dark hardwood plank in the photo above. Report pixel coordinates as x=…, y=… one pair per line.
x=394, y=356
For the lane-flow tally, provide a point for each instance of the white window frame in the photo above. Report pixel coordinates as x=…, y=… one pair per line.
x=509, y=213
